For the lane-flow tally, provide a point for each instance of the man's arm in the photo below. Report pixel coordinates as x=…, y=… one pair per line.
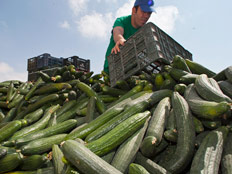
x=118, y=39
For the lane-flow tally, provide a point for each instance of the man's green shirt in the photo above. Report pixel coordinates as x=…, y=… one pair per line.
x=124, y=22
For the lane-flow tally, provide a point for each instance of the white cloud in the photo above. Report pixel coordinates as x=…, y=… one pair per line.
x=165, y=18
x=65, y=25
x=8, y=73
x=95, y=25
x=78, y=6
x=125, y=10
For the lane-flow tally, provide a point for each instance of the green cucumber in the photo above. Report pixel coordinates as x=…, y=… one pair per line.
x=10, y=92
x=174, y=72
x=112, y=91
x=203, y=108
x=33, y=162
x=39, y=125
x=11, y=114
x=186, y=136
x=90, y=92
x=9, y=129
x=188, y=78
x=57, y=156
x=59, y=128
x=122, y=84
x=228, y=73
x=34, y=116
x=200, y=137
x=156, y=127
x=130, y=93
x=212, y=124
x=197, y=68
x=137, y=169
x=226, y=160
x=51, y=88
x=10, y=162
x=208, y=156
x=32, y=90
x=67, y=105
x=3, y=152
x=171, y=135
x=119, y=134
x=180, y=63
x=90, y=127
x=42, y=145
x=226, y=87
x=150, y=165
x=85, y=160
x=126, y=152
x=208, y=92
x=128, y=112
x=198, y=125
x=90, y=109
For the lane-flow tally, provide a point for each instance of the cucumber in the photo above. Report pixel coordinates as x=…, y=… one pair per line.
x=33, y=162
x=108, y=157
x=149, y=165
x=198, y=125
x=156, y=127
x=3, y=152
x=67, y=105
x=117, y=135
x=226, y=161
x=174, y=72
x=197, y=68
x=85, y=160
x=90, y=92
x=122, y=84
x=90, y=109
x=186, y=136
x=200, y=137
x=32, y=90
x=226, y=87
x=34, y=116
x=39, y=125
x=128, y=112
x=212, y=124
x=59, y=128
x=159, y=80
x=11, y=114
x=126, y=152
x=51, y=88
x=130, y=93
x=99, y=121
x=208, y=156
x=171, y=121
x=112, y=91
x=228, y=73
x=171, y=135
x=41, y=145
x=208, y=92
x=10, y=92
x=137, y=169
x=188, y=78
x=57, y=156
x=10, y=162
x=180, y=63
x=9, y=129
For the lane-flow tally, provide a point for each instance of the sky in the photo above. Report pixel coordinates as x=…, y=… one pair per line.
x=64, y=28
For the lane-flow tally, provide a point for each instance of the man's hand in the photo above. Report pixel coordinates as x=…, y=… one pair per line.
x=116, y=48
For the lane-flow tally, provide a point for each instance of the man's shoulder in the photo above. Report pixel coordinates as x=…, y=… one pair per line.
x=124, y=17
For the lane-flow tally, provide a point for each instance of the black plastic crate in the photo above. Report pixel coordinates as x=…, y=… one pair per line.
x=32, y=64
x=48, y=62
x=79, y=63
x=149, y=48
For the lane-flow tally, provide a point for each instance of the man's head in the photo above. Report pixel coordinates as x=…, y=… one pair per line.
x=141, y=12
x=145, y=5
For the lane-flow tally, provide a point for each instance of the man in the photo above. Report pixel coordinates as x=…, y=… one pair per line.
x=126, y=26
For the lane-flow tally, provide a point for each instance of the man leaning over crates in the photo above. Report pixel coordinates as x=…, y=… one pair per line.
x=126, y=26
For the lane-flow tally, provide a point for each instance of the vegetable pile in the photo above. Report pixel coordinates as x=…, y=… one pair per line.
x=172, y=122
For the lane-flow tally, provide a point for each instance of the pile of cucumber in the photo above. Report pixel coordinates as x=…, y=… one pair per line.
x=177, y=121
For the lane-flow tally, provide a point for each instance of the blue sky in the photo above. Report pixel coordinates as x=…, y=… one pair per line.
x=65, y=28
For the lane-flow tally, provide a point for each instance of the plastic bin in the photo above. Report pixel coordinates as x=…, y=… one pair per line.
x=79, y=63
x=149, y=48
x=32, y=64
